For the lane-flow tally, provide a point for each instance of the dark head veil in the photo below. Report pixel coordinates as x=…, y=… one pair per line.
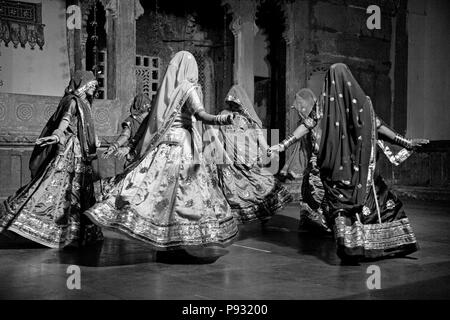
x=42, y=156
x=348, y=143
x=238, y=95
x=141, y=103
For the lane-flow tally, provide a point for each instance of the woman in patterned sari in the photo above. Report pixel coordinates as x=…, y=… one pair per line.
x=139, y=110
x=252, y=191
x=168, y=197
x=368, y=219
x=48, y=209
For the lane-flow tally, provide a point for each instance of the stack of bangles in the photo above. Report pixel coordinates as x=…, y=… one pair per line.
x=115, y=146
x=59, y=135
x=290, y=140
x=402, y=141
x=223, y=119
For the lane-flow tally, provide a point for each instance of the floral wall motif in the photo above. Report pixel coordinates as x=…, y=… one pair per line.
x=21, y=23
x=26, y=115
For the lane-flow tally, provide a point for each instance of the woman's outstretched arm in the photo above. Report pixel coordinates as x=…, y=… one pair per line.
x=59, y=135
x=207, y=118
x=290, y=140
x=390, y=135
x=200, y=114
x=123, y=138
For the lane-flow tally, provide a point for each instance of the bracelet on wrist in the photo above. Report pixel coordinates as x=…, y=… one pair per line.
x=115, y=146
x=290, y=140
x=59, y=134
x=402, y=141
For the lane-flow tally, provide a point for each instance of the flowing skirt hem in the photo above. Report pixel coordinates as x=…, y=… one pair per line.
x=164, y=243
x=276, y=201
x=6, y=215
x=373, y=241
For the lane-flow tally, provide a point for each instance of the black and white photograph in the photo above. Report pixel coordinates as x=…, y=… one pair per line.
x=224, y=154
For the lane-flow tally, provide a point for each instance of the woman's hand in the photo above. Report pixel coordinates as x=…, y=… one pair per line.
x=233, y=119
x=45, y=141
x=417, y=143
x=98, y=143
x=109, y=152
x=122, y=152
x=274, y=149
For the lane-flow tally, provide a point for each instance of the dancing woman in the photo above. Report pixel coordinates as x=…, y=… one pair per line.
x=368, y=219
x=48, y=209
x=252, y=191
x=168, y=197
x=138, y=112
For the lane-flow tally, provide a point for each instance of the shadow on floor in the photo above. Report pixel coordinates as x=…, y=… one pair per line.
x=10, y=240
x=109, y=253
x=283, y=231
x=120, y=252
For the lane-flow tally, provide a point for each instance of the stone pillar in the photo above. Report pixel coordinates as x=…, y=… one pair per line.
x=244, y=30
x=296, y=37
x=74, y=39
x=288, y=36
x=125, y=50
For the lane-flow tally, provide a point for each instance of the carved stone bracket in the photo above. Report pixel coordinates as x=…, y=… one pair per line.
x=21, y=23
x=244, y=30
x=112, y=8
x=289, y=32
x=242, y=11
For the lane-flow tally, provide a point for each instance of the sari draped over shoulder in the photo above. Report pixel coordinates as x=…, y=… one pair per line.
x=251, y=190
x=368, y=219
x=48, y=209
x=41, y=156
x=346, y=156
x=165, y=197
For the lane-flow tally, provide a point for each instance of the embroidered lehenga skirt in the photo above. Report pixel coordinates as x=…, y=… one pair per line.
x=48, y=209
x=168, y=200
x=363, y=236
x=252, y=192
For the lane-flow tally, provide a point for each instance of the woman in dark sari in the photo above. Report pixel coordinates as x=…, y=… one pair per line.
x=251, y=190
x=48, y=209
x=368, y=219
x=139, y=110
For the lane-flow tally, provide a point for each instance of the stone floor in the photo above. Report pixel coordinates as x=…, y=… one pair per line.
x=274, y=262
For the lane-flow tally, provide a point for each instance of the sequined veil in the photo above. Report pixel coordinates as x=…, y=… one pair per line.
x=368, y=219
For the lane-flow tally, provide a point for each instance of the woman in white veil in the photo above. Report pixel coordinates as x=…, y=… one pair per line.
x=168, y=197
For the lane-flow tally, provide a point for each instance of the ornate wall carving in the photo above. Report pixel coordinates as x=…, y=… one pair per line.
x=26, y=115
x=21, y=23
x=162, y=35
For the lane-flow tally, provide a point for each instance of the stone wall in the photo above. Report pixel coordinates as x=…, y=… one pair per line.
x=323, y=32
x=14, y=170
x=202, y=29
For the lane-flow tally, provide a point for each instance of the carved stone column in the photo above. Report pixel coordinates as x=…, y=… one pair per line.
x=74, y=36
x=296, y=37
x=244, y=31
x=291, y=87
x=121, y=24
